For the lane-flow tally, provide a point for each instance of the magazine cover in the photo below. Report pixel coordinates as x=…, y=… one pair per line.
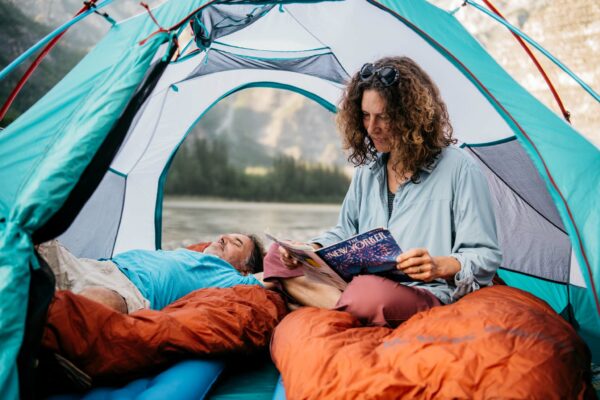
x=371, y=252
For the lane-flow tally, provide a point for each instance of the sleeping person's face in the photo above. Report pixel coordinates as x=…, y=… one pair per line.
x=234, y=248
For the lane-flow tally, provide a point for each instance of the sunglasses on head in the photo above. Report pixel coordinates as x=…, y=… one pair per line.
x=386, y=74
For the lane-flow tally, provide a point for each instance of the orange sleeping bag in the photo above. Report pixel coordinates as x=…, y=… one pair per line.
x=498, y=342
x=106, y=344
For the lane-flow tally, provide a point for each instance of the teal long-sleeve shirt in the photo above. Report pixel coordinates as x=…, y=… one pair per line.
x=449, y=212
x=165, y=276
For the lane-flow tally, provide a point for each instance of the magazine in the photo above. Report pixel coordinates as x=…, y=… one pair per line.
x=371, y=252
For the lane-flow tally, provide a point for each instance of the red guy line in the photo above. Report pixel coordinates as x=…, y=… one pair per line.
x=36, y=63
x=566, y=114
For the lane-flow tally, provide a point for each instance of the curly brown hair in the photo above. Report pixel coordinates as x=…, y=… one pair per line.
x=418, y=117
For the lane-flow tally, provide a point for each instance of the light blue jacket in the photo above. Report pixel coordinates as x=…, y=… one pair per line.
x=449, y=212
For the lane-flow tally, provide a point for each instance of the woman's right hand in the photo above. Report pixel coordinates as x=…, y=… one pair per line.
x=289, y=261
x=286, y=259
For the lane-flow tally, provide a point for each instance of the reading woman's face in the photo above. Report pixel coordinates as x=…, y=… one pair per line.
x=376, y=120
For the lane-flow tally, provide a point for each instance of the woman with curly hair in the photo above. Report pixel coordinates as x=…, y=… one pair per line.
x=432, y=197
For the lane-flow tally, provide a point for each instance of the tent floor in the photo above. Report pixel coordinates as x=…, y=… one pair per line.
x=246, y=378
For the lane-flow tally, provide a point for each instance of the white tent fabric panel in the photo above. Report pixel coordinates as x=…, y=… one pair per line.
x=167, y=118
x=575, y=274
x=137, y=223
x=474, y=119
x=469, y=109
x=140, y=134
x=99, y=219
x=144, y=123
x=260, y=35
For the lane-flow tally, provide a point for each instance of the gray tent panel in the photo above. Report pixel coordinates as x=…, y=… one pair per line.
x=531, y=244
x=219, y=20
x=322, y=65
x=506, y=158
x=99, y=218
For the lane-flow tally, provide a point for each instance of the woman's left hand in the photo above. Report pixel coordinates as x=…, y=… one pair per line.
x=418, y=264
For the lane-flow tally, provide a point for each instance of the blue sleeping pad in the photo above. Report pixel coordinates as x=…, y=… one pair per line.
x=279, y=393
x=191, y=379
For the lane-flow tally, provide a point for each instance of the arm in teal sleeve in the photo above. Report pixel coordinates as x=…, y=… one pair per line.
x=251, y=280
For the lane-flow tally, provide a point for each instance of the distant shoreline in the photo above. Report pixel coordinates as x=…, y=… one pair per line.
x=203, y=201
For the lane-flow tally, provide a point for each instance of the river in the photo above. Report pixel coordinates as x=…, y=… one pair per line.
x=187, y=221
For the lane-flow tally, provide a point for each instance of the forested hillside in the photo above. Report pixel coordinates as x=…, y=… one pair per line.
x=203, y=168
x=17, y=33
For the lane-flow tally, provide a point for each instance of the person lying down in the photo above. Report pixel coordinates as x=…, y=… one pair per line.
x=141, y=279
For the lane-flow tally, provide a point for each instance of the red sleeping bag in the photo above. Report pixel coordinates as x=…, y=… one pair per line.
x=105, y=344
x=498, y=342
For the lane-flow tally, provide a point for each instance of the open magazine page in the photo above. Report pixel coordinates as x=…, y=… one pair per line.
x=314, y=268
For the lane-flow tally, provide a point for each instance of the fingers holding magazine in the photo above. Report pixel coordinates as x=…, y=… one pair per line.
x=287, y=260
x=291, y=259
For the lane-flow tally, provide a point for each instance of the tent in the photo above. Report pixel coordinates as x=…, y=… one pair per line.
x=89, y=160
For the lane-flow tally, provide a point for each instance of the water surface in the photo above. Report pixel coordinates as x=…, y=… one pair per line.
x=187, y=221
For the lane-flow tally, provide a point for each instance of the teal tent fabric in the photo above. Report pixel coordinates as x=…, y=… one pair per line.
x=43, y=154
x=15, y=252
x=45, y=150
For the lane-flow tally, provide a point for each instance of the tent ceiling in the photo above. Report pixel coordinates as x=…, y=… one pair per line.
x=276, y=31
x=475, y=120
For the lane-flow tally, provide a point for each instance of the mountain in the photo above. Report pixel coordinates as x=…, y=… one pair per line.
x=258, y=124
x=85, y=33
x=17, y=33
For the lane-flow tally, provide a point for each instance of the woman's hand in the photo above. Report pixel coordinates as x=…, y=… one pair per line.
x=289, y=261
x=418, y=264
x=286, y=259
